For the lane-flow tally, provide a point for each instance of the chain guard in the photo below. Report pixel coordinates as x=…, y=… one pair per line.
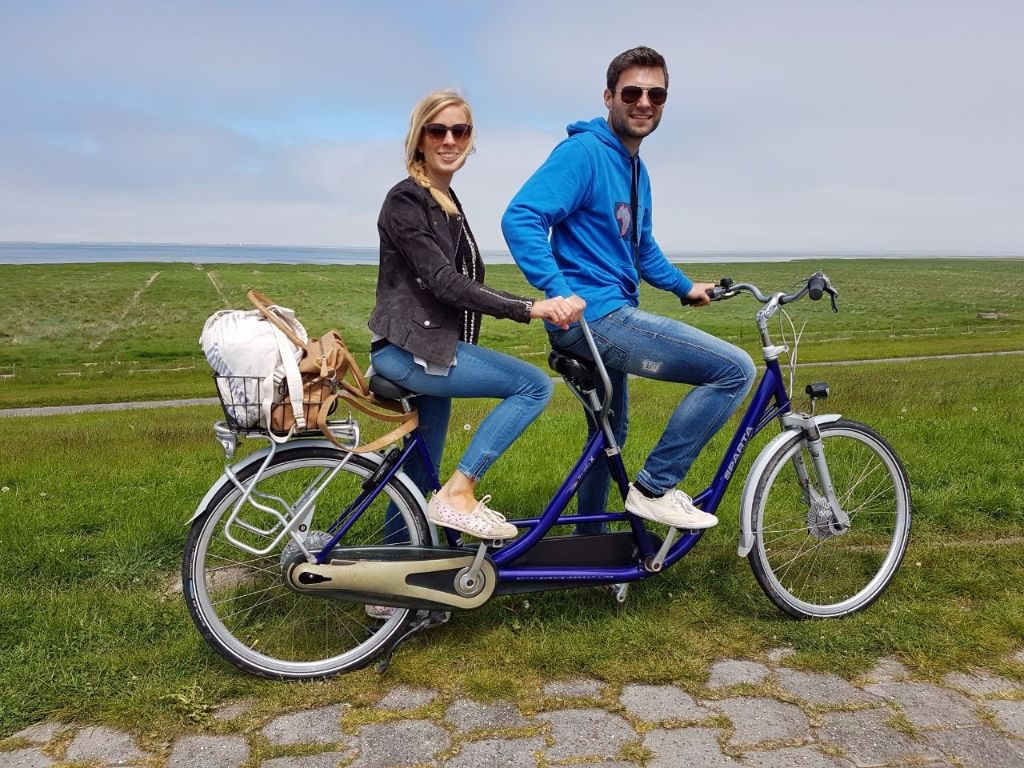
x=401, y=576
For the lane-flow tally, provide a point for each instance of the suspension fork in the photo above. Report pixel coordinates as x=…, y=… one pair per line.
x=813, y=441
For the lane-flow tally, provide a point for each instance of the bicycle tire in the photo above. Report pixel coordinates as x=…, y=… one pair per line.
x=806, y=564
x=239, y=601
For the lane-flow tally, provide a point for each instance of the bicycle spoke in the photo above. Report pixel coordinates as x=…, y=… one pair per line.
x=783, y=569
x=235, y=597
x=241, y=566
x=809, y=563
x=270, y=594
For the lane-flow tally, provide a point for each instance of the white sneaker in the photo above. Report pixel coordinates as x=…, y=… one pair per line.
x=380, y=612
x=675, y=508
x=483, y=522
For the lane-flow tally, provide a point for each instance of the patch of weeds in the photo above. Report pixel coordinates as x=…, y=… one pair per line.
x=900, y=723
x=635, y=752
x=988, y=717
x=831, y=750
x=356, y=717
x=190, y=703
x=11, y=743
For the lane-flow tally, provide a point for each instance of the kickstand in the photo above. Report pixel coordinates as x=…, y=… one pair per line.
x=424, y=620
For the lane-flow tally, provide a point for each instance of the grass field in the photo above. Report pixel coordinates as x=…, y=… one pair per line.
x=94, y=506
x=84, y=333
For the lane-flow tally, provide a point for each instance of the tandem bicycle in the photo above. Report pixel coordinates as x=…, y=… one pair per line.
x=289, y=547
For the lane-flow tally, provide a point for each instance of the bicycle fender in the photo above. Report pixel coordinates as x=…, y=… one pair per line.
x=261, y=454
x=754, y=474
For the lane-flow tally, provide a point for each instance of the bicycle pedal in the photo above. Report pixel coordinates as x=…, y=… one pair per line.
x=489, y=543
x=437, y=618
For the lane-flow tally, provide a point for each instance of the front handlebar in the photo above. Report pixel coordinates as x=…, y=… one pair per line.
x=816, y=286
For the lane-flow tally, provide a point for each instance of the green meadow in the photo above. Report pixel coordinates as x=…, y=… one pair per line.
x=84, y=333
x=94, y=505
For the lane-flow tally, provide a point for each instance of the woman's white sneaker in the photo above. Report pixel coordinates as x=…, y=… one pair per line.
x=483, y=522
x=675, y=508
x=380, y=612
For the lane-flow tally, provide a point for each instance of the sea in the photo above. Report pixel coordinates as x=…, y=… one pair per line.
x=243, y=253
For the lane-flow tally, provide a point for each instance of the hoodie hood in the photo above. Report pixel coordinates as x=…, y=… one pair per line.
x=599, y=127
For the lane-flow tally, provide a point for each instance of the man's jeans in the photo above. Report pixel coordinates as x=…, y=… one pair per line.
x=635, y=342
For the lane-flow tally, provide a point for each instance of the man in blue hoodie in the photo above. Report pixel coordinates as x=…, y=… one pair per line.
x=593, y=197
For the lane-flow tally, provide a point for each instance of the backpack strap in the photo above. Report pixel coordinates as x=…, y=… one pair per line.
x=292, y=377
x=378, y=409
x=263, y=304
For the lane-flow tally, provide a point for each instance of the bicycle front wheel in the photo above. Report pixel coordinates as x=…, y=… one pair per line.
x=808, y=563
x=240, y=601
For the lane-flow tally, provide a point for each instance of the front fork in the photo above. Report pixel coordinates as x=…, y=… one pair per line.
x=812, y=439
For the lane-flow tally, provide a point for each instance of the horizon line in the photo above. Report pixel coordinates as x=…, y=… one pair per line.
x=696, y=251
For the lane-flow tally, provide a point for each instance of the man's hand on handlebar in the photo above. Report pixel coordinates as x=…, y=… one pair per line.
x=559, y=311
x=698, y=295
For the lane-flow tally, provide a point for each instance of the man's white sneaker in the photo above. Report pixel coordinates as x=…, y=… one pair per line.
x=483, y=522
x=675, y=508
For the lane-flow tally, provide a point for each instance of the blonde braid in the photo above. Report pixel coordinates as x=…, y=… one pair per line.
x=418, y=172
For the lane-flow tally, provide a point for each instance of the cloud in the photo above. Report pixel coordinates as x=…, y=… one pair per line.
x=790, y=125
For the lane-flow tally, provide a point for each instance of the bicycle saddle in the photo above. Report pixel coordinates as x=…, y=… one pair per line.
x=386, y=389
x=579, y=369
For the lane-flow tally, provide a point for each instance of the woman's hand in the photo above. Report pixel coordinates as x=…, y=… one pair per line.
x=559, y=311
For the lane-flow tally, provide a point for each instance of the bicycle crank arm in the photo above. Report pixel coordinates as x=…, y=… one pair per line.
x=428, y=578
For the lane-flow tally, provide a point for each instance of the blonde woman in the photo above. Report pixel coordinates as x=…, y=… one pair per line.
x=426, y=323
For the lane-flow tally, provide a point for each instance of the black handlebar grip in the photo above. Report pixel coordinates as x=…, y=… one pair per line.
x=816, y=286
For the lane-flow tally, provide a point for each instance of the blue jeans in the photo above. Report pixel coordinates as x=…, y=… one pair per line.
x=632, y=341
x=523, y=389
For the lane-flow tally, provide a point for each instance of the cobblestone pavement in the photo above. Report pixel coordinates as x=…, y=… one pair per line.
x=762, y=715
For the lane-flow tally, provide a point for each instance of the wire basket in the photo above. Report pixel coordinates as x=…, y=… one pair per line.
x=241, y=398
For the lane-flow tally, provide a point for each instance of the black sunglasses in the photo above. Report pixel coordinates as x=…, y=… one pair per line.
x=438, y=131
x=631, y=94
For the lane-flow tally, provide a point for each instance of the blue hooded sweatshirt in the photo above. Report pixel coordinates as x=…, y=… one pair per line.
x=581, y=195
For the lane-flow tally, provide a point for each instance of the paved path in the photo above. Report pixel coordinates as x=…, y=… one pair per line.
x=62, y=410
x=760, y=714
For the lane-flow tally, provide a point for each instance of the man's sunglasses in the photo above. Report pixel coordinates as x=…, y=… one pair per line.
x=438, y=131
x=631, y=94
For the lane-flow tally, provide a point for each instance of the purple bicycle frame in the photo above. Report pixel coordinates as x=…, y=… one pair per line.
x=769, y=401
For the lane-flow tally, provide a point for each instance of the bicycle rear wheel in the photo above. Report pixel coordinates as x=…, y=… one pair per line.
x=808, y=564
x=240, y=602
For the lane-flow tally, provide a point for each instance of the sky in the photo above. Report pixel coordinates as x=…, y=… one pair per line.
x=795, y=125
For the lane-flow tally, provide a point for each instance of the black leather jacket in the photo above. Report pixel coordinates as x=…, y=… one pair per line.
x=420, y=292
